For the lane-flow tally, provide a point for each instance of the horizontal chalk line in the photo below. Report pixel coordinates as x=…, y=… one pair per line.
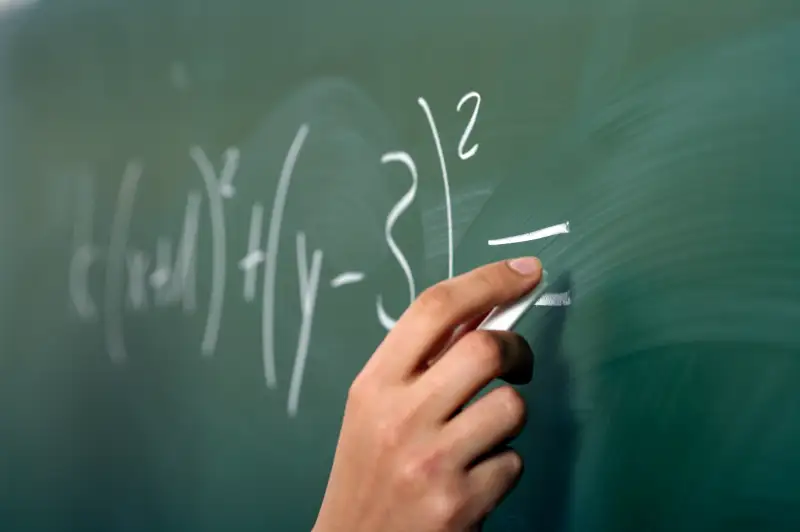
x=347, y=278
x=535, y=235
x=554, y=300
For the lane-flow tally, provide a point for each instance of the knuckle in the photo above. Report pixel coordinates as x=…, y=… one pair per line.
x=446, y=507
x=512, y=404
x=423, y=466
x=408, y=474
x=435, y=300
x=485, y=349
x=489, y=280
x=360, y=391
x=356, y=390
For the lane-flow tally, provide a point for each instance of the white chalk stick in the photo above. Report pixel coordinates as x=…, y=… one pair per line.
x=504, y=317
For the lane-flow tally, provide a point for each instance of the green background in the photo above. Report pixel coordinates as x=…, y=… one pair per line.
x=665, y=397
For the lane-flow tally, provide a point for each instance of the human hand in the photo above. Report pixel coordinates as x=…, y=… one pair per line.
x=410, y=456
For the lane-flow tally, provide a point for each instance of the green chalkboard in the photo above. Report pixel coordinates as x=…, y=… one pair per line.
x=211, y=211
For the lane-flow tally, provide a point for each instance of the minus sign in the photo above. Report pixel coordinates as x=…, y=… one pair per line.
x=347, y=278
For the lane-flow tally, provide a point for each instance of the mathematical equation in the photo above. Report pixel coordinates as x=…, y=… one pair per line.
x=133, y=277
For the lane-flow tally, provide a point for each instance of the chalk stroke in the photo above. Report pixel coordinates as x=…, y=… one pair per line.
x=82, y=300
x=176, y=282
x=561, y=299
x=394, y=214
x=229, y=168
x=535, y=235
x=384, y=319
x=249, y=262
x=120, y=225
x=271, y=259
x=255, y=255
x=214, y=190
x=138, y=263
x=346, y=278
x=309, y=283
x=161, y=273
x=85, y=252
x=464, y=156
x=182, y=279
x=449, y=208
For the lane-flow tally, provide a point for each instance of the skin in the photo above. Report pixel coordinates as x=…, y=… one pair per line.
x=411, y=455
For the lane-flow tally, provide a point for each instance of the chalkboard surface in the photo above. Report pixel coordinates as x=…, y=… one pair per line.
x=211, y=211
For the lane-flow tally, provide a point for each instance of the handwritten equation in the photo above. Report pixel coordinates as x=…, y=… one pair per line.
x=135, y=278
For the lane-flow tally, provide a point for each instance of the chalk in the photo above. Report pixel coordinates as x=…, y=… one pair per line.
x=504, y=317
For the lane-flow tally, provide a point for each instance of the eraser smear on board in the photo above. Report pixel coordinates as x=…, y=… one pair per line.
x=504, y=317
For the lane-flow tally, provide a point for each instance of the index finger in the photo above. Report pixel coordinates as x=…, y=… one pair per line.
x=441, y=308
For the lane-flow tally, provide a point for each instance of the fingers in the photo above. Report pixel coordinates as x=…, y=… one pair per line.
x=431, y=319
x=473, y=362
x=490, y=421
x=446, y=343
x=491, y=480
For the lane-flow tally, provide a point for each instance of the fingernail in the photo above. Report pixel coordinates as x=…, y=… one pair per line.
x=526, y=265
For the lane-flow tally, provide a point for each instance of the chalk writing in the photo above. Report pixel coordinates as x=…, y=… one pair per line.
x=443, y=165
x=554, y=300
x=471, y=152
x=346, y=278
x=534, y=235
x=547, y=300
x=136, y=278
x=405, y=202
x=216, y=190
x=115, y=342
x=254, y=256
x=138, y=263
x=175, y=282
x=309, y=283
x=271, y=259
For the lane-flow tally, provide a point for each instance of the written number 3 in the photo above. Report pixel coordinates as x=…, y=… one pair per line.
x=408, y=198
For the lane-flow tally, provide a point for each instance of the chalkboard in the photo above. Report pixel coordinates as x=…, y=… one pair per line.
x=212, y=211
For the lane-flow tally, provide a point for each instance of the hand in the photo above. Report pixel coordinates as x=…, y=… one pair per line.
x=410, y=457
